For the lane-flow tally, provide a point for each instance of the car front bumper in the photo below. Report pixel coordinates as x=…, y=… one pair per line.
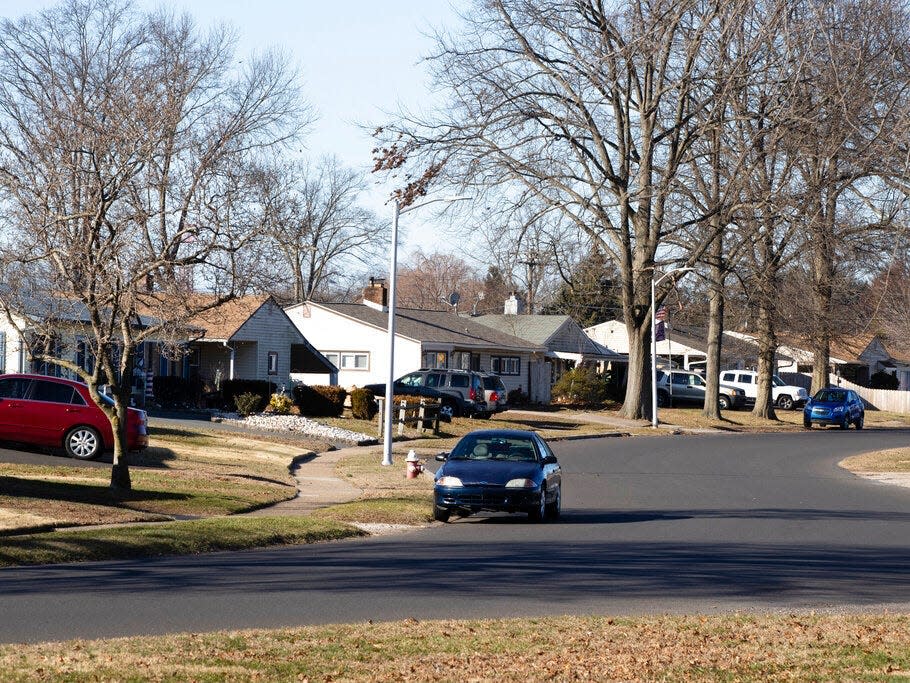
x=825, y=418
x=489, y=498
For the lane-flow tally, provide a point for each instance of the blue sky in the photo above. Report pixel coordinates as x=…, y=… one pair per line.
x=358, y=58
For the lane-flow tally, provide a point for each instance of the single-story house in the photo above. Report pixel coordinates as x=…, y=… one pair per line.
x=687, y=347
x=247, y=338
x=250, y=337
x=566, y=343
x=355, y=338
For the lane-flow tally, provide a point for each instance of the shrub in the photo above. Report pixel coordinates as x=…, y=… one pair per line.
x=177, y=391
x=280, y=404
x=232, y=388
x=247, y=403
x=363, y=404
x=517, y=397
x=581, y=385
x=884, y=380
x=319, y=400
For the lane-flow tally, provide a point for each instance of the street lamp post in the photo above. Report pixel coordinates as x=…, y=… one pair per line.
x=397, y=210
x=654, y=284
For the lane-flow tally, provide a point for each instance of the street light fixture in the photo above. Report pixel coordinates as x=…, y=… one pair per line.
x=397, y=210
x=654, y=284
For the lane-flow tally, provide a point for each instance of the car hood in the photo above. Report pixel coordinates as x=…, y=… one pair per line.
x=825, y=404
x=496, y=472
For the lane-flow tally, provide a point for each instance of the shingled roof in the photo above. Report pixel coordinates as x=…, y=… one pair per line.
x=440, y=327
x=224, y=321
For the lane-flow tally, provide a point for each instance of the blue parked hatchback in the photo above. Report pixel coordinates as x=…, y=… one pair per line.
x=841, y=407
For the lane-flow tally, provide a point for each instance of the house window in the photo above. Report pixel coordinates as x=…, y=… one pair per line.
x=355, y=361
x=332, y=357
x=506, y=365
x=273, y=362
x=435, y=359
x=465, y=360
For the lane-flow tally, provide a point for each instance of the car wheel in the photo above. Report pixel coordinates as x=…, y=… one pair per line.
x=554, y=508
x=724, y=402
x=441, y=514
x=859, y=421
x=807, y=423
x=663, y=399
x=785, y=402
x=539, y=513
x=83, y=443
x=446, y=412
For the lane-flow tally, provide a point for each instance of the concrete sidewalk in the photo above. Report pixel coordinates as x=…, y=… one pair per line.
x=317, y=485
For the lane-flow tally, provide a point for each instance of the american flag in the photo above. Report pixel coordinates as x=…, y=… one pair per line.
x=661, y=313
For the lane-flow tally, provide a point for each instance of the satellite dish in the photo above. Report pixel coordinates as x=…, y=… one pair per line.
x=454, y=298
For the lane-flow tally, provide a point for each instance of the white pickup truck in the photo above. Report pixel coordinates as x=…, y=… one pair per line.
x=784, y=395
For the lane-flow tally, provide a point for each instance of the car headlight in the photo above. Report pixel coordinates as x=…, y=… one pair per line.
x=449, y=482
x=521, y=484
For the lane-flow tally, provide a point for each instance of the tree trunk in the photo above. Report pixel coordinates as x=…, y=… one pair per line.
x=637, y=403
x=120, y=472
x=715, y=331
x=767, y=350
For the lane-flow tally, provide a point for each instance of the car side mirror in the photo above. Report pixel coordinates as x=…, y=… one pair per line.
x=549, y=460
x=442, y=457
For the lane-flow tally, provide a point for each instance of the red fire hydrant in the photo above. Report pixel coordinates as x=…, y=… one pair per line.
x=414, y=465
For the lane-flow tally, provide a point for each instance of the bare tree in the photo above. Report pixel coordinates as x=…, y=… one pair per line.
x=120, y=136
x=427, y=282
x=587, y=108
x=316, y=226
x=847, y=109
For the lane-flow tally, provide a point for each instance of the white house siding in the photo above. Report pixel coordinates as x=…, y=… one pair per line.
x=331, y=332
x=519, y=381
x=10, y=347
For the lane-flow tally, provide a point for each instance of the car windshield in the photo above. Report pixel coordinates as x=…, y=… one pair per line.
x=830, y=396
x=777, y=381
x=518, y=448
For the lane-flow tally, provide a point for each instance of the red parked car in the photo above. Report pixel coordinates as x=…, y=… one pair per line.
x=55, y=412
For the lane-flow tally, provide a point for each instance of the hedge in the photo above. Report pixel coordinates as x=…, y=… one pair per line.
x=363, y=404
x=319, y=400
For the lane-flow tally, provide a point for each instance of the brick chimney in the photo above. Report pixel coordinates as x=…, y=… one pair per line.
x=375, y=295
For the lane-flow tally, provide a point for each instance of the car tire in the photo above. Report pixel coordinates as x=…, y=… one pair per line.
x=663, y=399
x=859, y=422
x=723, y=402
x=785, y=402
x=447, y=411
x=539, y=513
x=441, y=514
x=807, y=424
x=555, y=508
x=83, y=443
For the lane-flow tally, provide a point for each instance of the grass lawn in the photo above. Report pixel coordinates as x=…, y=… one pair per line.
x=738, y=647
x=169, y=538
x=181, y=474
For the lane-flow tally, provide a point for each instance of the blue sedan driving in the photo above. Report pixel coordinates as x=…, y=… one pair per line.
x=841, y=407
x=498, y=470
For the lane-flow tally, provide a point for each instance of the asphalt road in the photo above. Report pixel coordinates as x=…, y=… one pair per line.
x=688, y=524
